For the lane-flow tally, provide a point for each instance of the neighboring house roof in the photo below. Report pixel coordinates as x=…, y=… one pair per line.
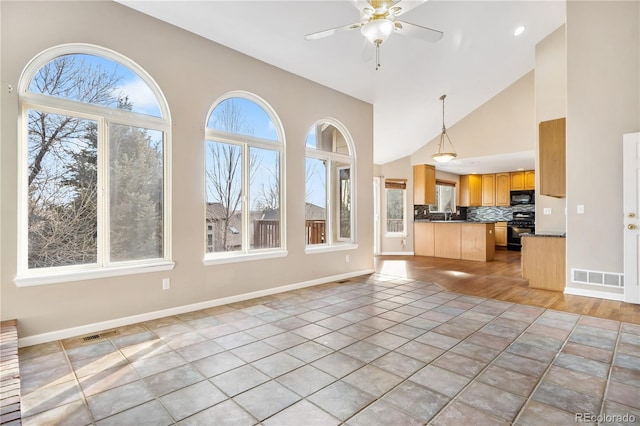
x=314, y=212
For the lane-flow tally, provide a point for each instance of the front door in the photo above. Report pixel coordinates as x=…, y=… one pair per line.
x=631, y=190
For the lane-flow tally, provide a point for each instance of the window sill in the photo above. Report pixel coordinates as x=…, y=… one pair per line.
x=325, y=248
x=35, y=279
x=235, y=258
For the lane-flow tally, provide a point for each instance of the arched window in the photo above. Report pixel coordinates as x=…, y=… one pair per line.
x=329, y=196
x=94, y=175
x=243, y=180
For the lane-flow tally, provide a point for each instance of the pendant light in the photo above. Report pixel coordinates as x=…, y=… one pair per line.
x=443, y=155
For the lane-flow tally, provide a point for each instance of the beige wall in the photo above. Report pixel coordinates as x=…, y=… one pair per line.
x=504, y=124
x=193, y=73
x=551, y=103
x=603, y=103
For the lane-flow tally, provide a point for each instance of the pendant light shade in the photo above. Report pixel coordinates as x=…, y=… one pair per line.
x=445, y=152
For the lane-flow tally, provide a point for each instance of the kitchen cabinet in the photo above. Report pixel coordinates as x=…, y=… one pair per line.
x=503, y=187
x=529, y=179
x=424, y=184
x=423, y=237
x=501, y=234
x=552, y=155
x=478, y=241
x=455, y=240
x=447, y=240
x=471, y=190
x=544, y=261
x=523, y=180
x=489, y=190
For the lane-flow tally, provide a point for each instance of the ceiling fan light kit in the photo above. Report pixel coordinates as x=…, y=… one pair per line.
x=377, y=31
x=443, y=155
x=377, y=23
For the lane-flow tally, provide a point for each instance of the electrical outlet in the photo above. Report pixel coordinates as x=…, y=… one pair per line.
x=580, y=209
x=166, y=283
x=547, y=210
x=346, y=258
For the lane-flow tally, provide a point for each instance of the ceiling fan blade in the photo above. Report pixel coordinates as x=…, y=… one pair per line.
x=332, y=31
x=418, y=31
x=403, y=6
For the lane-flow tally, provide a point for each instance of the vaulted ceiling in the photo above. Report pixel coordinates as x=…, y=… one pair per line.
x=477, y=57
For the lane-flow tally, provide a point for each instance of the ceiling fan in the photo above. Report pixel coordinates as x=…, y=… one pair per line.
x=378, y=21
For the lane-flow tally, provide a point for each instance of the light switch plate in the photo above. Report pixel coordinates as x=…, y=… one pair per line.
x=547, y=210
x=580, y=209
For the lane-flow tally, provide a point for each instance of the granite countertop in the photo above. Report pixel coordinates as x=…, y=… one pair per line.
x=452, y=221
x=546, y=234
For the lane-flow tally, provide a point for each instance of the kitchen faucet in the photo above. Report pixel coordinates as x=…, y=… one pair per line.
x=447, y=210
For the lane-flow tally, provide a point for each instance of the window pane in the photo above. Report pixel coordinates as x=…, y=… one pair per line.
x=395, y=210
x=224, y=196
x=315, y=210
x=136, y=193
x=326, y=137
x=344, y=202
x=243, y=117
x=95, y=80
x=264, y=198
x=62, y=181
x=445, y=197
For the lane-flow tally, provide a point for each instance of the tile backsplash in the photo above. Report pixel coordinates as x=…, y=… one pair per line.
x=498, y=214
x=479, y=214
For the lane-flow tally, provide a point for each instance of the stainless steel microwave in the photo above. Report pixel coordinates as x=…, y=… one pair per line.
x=519, y=198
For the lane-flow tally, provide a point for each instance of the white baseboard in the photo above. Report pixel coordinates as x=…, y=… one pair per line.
x=397, y=253
x=594, y=293
x=134, y=319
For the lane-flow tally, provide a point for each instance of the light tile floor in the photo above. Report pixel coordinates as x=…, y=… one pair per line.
x=372, y=350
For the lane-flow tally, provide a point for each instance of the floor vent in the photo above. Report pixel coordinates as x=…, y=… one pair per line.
x=99, y=336
x=343, y=281
x=606, y=279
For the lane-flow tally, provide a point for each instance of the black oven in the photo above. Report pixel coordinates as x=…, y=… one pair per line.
x=522, y=223
x=519, y=198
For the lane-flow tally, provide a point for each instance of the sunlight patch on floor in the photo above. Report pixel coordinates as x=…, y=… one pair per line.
x=394, y=267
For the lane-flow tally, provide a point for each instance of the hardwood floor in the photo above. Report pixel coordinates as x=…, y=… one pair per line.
x=501, y=280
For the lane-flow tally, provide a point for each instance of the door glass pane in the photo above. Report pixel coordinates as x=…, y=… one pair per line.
x=224, y=196
x=315, y=210
x=62, y=180
x=264, y=198
x=136, y=193
x=395, y=210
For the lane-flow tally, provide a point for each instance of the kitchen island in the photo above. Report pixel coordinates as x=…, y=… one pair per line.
x=543, y=260
x=455, y=239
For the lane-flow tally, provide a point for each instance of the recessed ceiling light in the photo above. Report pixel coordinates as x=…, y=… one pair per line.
x=519, y=30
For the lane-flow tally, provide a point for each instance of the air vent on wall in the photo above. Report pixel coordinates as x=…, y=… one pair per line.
x=606, y=279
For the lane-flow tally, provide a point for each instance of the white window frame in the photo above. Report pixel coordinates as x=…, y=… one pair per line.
x=402, y=233
x=104, y=117
x=245, y=142
x=332, y=192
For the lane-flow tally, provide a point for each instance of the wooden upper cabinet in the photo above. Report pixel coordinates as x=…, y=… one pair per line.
x=552, y=155
x=503, y=187
x=470, y=190
x=489, y=190
x=424, y=184
x=529, y=179
x=523, y=180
